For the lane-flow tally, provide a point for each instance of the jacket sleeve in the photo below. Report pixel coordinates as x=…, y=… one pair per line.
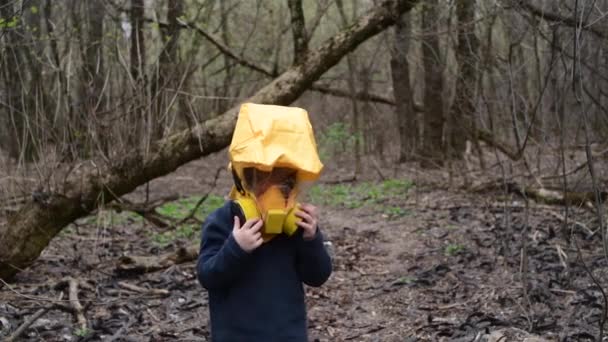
x=221, y=259
x=313, y=262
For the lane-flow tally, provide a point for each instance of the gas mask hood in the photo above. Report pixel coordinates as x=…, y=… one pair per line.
x=273, y=151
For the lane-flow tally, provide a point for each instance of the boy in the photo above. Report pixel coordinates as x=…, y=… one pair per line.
x=258, y=249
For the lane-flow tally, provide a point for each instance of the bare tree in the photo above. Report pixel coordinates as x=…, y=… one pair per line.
x=461, y=121
x=223, y=102
x=433, y=88
x=352, y=87
x=404, y=98
x=165, y=83
x=93, y=75
x=138, y=48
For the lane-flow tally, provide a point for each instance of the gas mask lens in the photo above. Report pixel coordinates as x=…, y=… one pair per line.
x=283, y=179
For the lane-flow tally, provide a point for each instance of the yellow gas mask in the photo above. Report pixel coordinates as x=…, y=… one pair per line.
x=271, y=140
x=271, y=207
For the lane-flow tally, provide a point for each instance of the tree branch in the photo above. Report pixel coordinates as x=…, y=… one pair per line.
x=227, y=51
x=224, y=49
x=489, y=139
x=363, y=96
x=602, y=31
x=321, y=10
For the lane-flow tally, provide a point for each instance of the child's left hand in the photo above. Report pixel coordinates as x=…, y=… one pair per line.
x=309, y=217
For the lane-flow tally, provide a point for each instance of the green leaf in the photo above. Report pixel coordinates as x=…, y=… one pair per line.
x=11, y=23
x=453, y=249
x=81, y=332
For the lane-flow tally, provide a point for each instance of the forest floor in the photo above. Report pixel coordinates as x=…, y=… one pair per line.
x=414, y=260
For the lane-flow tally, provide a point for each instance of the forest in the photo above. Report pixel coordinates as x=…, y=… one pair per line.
x=464, y=145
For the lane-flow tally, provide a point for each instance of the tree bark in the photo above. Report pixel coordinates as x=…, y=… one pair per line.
x=433, y=89
x=298, y=29
x=406, y=117
x=93, y=74
x=31, y=229
x=352, y=88
x=223, y=103
x=141, y=121
x=138, y=50
x=461, y=119
x=168, y=73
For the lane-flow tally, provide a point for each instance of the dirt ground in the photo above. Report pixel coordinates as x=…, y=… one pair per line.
x=454, y=266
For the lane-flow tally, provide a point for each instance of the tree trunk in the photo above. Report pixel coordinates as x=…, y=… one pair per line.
x=461, y=119
x=142, y=121
x=167, y=77
x=93, y=75
x=404, y=97
x=298, y=28
x=432, y=154
x=224, y=102
x=30, y=230
x=62, y=98
x=138, y=50
x=352, y=88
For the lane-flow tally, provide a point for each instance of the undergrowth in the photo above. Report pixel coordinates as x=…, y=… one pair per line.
x=364, y=194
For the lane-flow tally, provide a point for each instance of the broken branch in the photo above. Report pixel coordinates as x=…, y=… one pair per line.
x=146, y=264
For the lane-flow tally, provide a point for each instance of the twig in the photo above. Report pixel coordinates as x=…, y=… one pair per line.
x=147, y=211
x=599, y=286
x=78, y=309
x=225, y=49
x=576, y=223
x=135, y=288
x=575, y=169
x=198, y=204
x=33, y=298
x=562, y=256
x=378, y=169
x=348, y=179
x=33, y=318
x=145, y=264
x=28, y=322
x=368, y=331
x=453, y=305
x=524, y=262
x=563, y=291
x=601, y=32
x=117, y=335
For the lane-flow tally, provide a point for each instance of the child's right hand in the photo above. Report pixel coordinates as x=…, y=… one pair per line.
x=248, y=236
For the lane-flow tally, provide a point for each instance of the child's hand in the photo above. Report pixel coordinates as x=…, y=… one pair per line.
x=309, y=215
x=248, y=236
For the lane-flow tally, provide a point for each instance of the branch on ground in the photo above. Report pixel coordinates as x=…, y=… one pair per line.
x=146, y=210
x=544, y=195
x=145, y=264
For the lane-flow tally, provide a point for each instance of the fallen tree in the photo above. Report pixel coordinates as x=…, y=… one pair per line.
x=29, y=231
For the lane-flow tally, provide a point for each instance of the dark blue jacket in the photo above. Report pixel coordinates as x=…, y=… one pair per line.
x=258, y=296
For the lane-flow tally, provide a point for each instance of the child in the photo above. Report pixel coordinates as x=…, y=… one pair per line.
x=258, y=249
